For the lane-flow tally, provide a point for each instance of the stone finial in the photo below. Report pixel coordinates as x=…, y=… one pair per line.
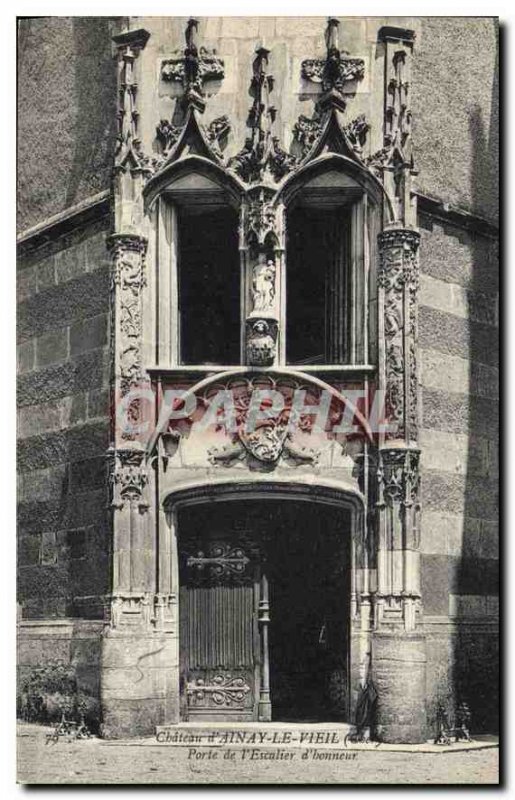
x=262, y=157
x=333, y=72
x=195, y=67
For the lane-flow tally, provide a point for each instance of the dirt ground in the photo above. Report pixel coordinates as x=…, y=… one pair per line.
x=102, y=762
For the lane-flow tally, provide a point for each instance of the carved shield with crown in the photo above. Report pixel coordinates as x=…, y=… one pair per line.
x=267, y=441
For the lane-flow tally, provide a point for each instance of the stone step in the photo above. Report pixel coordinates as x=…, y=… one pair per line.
x=255, y=734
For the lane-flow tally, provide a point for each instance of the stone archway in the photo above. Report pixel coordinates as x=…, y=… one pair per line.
x=258, y=639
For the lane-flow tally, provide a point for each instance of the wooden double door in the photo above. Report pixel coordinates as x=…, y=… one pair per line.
x=264, y=611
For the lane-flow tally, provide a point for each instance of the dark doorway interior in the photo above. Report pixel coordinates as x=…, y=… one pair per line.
x=308, y=565
x=303, y=549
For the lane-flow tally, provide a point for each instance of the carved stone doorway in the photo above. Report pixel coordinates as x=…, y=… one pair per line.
x=264, y=610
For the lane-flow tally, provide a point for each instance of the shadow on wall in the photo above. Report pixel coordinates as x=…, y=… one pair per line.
x=476, y=654
x=95, y=101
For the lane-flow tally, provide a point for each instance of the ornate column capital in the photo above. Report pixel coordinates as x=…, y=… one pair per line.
x=129, y=478
x=407, y=238
x=398, y=476
x=131, y=42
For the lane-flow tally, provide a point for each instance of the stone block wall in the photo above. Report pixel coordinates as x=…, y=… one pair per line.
x=458, y=327
x=53, y=649
x=63, y=424
x=66, y=113
x=455, y=104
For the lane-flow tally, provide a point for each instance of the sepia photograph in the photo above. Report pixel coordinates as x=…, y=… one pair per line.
x=258, y=400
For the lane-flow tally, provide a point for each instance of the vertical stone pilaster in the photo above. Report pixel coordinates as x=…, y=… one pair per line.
x=397, y=295
x=398, y=645
x=130, y=164
x=397, y=154
x=132, y=581
x=398, y=473
x=138, y=644
x=398, y=589
x=398, y=599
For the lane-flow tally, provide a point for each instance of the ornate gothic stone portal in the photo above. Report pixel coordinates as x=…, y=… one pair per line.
x=228, y=514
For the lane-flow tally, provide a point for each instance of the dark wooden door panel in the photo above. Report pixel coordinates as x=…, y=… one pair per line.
x=218, y=609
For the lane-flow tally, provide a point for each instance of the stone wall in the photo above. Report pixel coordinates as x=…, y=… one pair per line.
x=63, y=424
x=458, y=321
x=53, y=650
x=66, y=113
x=455, y=103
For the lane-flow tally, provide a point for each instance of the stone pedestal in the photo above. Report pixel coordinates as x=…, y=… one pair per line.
x=139, y=686
x=399, y=676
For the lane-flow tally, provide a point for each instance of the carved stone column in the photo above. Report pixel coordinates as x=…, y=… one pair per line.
x=398, y=595
x=398, y=646
x=137, y=646
x=397, y=283
x=133, y=558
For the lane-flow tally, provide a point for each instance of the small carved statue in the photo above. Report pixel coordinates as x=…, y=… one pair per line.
x=263, y=285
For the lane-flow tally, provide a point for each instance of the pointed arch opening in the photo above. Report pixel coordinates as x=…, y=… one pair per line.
x=331, y=226
x=198, y=293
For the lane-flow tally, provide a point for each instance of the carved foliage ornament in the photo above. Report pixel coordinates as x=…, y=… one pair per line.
x=210, y=67
x=356, y=133
x=129, y=479
x=306, y=131
x=128, y=279
x=398, y=277
x=343, y=70
x=399, y=478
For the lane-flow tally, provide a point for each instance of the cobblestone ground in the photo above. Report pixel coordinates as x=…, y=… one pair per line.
x=97, y=761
